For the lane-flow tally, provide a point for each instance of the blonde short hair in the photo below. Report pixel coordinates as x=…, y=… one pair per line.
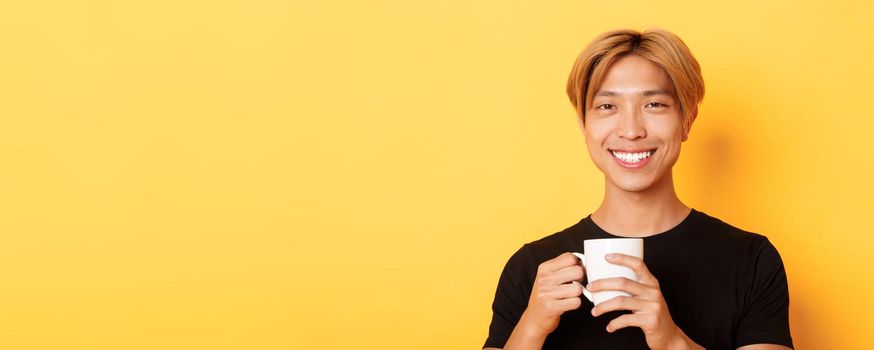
x=659, y=46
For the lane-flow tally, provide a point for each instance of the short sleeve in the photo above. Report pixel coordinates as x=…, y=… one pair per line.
x=511, y=297
x=765, y=319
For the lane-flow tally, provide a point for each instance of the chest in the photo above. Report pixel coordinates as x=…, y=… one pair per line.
x=704, y=296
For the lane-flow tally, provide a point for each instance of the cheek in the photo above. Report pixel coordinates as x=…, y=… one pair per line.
x=596, y=132
x=595, y=139
x=667, y=127
x=672, y=154
x=594, y=142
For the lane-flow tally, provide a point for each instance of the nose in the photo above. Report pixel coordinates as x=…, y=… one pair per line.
x=631, y=126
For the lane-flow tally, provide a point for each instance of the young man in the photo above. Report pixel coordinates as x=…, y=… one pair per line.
x=702, y=283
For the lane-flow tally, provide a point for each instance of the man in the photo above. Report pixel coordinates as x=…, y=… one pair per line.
x=702, y=283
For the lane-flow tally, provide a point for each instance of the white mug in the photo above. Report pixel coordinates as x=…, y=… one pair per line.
x=597, y=267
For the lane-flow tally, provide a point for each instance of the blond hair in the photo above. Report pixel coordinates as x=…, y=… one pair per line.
x=659, y=46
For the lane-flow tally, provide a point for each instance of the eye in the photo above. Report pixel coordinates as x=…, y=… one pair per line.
x=605, y=107
x=656, y=104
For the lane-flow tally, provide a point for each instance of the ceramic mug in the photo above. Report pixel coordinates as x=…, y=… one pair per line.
x=597, y=267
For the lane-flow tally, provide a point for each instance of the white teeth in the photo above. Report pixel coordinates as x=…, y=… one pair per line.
x=632, y=157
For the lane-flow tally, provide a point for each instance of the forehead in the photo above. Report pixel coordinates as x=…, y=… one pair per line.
x=634, y=74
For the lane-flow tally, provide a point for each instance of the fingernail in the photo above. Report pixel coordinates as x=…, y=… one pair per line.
x=610, y=256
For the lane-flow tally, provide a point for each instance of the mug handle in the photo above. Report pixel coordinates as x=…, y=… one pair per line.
x=585, y=291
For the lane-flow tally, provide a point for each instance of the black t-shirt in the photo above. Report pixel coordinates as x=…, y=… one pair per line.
x=724, y=287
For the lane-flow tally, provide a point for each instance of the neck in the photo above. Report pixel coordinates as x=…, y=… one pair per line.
x=642, y=213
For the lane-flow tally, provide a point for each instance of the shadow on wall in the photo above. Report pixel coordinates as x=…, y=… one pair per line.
x=717, y=168
x=724, y=173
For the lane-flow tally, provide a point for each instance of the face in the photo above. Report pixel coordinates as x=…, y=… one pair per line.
x=634, y=127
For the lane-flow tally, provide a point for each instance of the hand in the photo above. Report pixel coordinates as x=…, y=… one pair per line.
x=553, y=294
x=649, y=310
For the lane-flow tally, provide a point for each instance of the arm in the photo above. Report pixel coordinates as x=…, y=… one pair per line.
x=524, y=337
x=765, y=324
x=527, y=335
x=764, y=347
x=552, y=294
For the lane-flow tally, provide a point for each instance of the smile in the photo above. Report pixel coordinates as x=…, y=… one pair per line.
x=632, y=159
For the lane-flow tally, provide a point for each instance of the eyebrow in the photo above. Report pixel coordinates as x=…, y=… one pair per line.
x=643, y=93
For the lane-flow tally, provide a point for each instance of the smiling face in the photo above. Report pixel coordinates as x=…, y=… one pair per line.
x=634, y=127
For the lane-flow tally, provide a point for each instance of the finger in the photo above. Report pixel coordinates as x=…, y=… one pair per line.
x=620, y=283
x=635, y=264
x=629, y=320
x=568, y=290
x=565, y=275
x=621, y=303
x=558, y=263
x=568, y=304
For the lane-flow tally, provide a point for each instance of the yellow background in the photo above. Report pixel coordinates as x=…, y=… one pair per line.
x=354, y=174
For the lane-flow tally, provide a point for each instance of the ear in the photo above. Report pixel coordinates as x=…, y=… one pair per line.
x=582, y=126
x=688, y=129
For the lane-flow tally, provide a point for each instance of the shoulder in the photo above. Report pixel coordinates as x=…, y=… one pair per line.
x=533, y=253
x=569, y=239
x=726, y=235
x=745, y=247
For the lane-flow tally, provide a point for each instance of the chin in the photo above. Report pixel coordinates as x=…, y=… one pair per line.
x=634, y=184
x=628, y=186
